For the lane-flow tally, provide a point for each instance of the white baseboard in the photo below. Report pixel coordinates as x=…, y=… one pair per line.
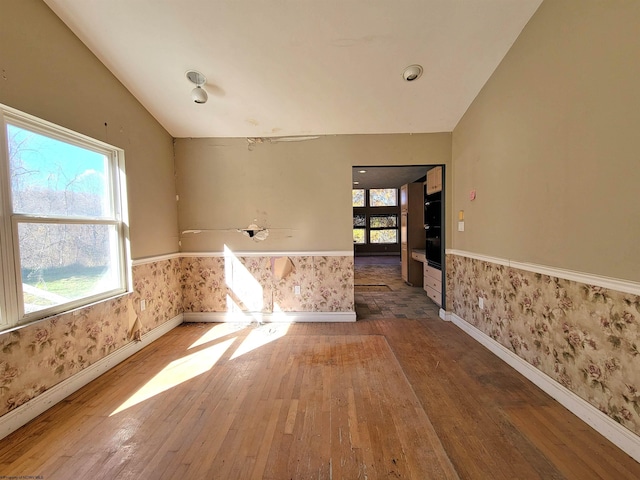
x=20, y=416
x=443, y=315
x=623, y=438
x=283, y=317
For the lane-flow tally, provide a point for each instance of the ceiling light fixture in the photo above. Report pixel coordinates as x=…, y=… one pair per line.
x=362, y=171
x=356, y=183
x=412, y=72
x=198, y=94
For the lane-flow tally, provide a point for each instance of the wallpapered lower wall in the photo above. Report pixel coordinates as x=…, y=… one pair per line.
x=221, y=284
x=585, y=337
x=38, y=356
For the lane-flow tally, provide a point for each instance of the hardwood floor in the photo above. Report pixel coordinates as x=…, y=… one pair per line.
x=395, y=398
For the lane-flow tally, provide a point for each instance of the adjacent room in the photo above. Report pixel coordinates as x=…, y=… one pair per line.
x=295, y=239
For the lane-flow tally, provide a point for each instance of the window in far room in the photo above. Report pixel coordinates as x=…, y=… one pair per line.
x=358, y=197
x=383, y=197
x=374, y=217
x=383, y=229
x=359, y=228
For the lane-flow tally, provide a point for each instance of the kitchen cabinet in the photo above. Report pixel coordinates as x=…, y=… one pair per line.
x=434, y=180
x=433, y=284
x=412, y=236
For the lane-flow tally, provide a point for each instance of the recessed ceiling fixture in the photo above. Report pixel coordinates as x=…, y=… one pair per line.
x=412, y=72
x=356, y=183
x=362, y=171
x=198, y=94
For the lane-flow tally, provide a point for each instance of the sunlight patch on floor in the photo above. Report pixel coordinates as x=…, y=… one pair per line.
x=216, y=332
x=177, y=372
x=261, y=336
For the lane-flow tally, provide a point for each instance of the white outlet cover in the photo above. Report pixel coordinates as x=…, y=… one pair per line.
x=461, y=226
x=481, y=303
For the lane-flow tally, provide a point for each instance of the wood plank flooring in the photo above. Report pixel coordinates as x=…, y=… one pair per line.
x=375, y=399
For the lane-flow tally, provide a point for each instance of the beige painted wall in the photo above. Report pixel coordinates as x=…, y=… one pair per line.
x=303, y=188
x=47, y=72
x=551, y=144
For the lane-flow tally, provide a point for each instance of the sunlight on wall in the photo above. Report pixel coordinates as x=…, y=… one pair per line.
x=261, y=336
x=280, y=315
x=232, y=306
x=243, y=286
x=177, y=372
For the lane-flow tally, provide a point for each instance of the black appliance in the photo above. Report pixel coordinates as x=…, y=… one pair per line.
x=433, y=229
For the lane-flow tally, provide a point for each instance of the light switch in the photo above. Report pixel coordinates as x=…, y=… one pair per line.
x=461, y=226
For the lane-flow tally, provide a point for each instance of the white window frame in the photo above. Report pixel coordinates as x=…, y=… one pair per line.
x=12, y=312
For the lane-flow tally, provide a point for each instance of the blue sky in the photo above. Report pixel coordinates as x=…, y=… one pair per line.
x=55, y=164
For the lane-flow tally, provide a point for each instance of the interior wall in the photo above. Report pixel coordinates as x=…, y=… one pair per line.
x=45, y=70
x=300, y=190
x=551, y=145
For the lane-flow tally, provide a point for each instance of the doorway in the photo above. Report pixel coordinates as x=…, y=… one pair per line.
x=376, y=207
x=380, y=232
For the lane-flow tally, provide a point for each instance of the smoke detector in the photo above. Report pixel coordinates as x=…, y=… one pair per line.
x=412, y=72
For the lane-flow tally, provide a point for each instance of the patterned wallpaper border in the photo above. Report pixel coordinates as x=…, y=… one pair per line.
x=584, y=336
x=179, y=255
x=625, y=286
x=624, y=438
x=239, y=253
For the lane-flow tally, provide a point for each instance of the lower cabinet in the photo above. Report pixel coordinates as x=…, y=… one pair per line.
x=433, y=284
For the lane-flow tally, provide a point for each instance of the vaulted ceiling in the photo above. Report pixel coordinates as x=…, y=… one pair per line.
x=300, y=67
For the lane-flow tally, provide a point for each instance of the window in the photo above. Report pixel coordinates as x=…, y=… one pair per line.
x=375, y=217
x=383, y=229
x=64, y=221
x=383, y=197
x=358, y=197
x=359, y=228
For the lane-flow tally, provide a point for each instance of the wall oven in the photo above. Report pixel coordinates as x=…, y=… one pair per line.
x=433, y=230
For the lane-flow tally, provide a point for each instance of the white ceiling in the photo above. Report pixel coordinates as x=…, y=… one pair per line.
x=300, y=67
x=387, y=177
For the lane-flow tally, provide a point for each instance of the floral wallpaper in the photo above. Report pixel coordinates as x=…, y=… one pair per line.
x=333, y=284
x=38, y=356
x=303, y=274
x=220, y=284
x=158, y=283
x=585, y=337
x=202, y=283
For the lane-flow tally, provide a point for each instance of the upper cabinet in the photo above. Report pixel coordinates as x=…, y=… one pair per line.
x=434, y=180
x=404, y=198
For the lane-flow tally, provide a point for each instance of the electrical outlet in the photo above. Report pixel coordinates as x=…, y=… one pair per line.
x=143, y=305
x=296, y=289
x=481, y=303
